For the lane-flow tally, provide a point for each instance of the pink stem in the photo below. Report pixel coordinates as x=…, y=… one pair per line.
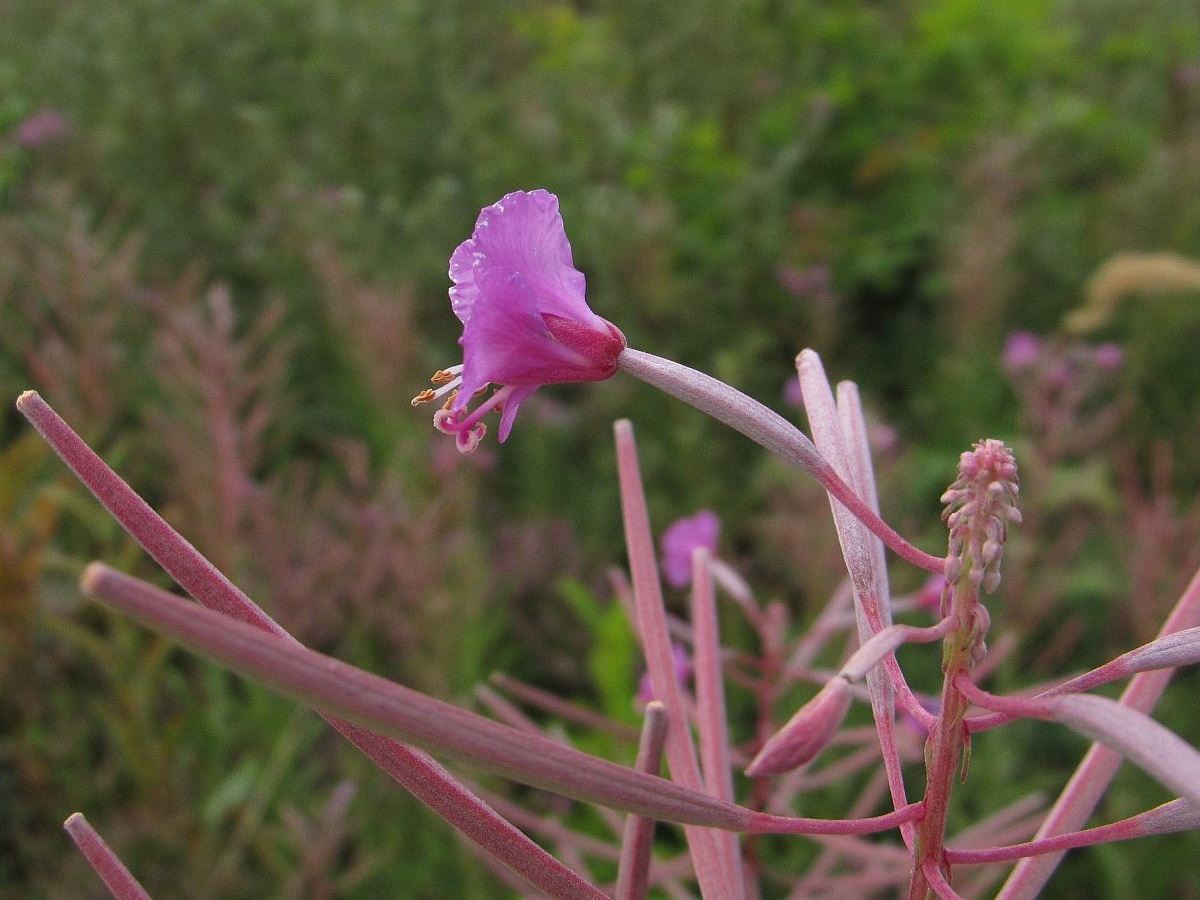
x=1124, y=830
x=711, y=726
x=771, y=430
x=120, y=883
x=710, y=688
x=868, y=574
x=391, y=709
x=633, y=871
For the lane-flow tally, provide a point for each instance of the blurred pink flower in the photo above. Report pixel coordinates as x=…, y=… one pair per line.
x=683, y=672
x=42, y=127
x=1060, y=374
x=1021, y=351
x=1109, y=357
x=801, y=282
x=883, y=438
x=1187, y=75
x=681, y=538
x=525, y=320
x=792, y=395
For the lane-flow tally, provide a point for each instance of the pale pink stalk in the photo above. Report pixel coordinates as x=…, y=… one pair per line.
x=1171, y=651
x=345, y=691
x=711, y=726
x=116, y=877
x=391, y=709
x=712, y=854
x=884, y=643
x=637, y=841
x=1143, y=741
x=936, y=881
x=768, y=428
x=1093, y=775
x=1169, y=818
x=860, y=474
x=867, y=577
x=427, y=780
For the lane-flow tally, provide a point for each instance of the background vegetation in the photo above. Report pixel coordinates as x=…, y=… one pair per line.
x=224, y=228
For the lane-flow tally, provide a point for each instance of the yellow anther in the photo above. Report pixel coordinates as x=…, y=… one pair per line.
x=424, y=397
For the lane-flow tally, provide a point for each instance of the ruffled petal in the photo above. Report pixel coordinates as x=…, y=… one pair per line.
x=523, y=232
x=506, y=341
x=464, y=292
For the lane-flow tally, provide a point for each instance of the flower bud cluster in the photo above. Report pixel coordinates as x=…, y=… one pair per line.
x=979, y=506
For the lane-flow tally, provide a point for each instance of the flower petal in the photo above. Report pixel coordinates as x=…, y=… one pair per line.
x=507, y=342
x=522, y=232
x=681, y=538
x=511, y=405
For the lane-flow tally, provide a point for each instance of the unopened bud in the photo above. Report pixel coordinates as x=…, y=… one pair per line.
x=806, y=733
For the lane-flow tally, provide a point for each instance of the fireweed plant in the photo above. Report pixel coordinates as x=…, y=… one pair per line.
x=526, y=324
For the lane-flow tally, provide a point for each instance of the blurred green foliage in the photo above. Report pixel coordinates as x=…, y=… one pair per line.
x=939, y=173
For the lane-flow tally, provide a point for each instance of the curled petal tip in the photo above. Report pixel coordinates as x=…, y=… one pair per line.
x=525, y=320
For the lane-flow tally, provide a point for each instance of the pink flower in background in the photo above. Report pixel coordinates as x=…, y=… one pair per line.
x=42, y=127
x=1109, y=357
x=1187, y=75
x=683, y=672
x=1021, y=351
x=681, y=538
x=792, y=395
x=525, y=320
x=815, y=280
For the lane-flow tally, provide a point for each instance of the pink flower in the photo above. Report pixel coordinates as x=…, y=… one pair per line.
x=815, y=280
x=681, y=538
x=1108, y=357
x=683, y=673
x=792, y=395
x=42, y=127
x=1021, y=351
x=525, y=320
